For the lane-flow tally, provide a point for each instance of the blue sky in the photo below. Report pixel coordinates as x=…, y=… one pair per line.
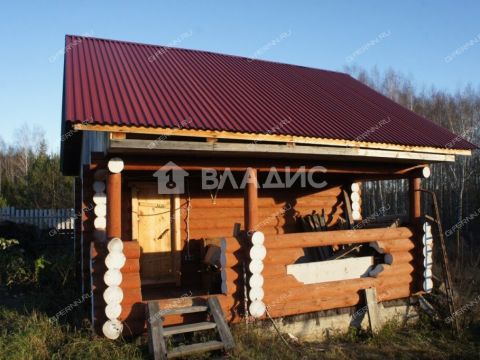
x=417, y=38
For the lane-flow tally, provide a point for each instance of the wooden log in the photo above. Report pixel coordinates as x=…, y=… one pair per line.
x=251, y=201
x=201, y=233
x=264, y=222
x=235, y=212
x=114, y=205
x=129, y=280
x=133, y=311
x=232, y=244
x=311, y=304
x=129, y=310
x=393, y=293
x=336, y=237
x=274, y=270
x=234, y=274
x=283, y=256
x=132, y=296
x=280, y=286
x=398, y=245
x=266, y=199
x=234, y=287
x=131, y=266
x=131, y=249
x=415, y=200
x=396, y=270
x=398, y=257
x=233, y=260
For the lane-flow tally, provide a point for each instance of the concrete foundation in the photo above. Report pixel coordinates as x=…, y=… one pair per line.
x=321, y=325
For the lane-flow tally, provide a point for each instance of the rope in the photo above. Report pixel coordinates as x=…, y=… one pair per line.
x=278, y=331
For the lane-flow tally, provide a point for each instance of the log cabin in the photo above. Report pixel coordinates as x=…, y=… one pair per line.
x=219, y=175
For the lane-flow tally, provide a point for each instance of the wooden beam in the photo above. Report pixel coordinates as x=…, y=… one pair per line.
x=114, y=205
x=374, y=317
x=335, y=237
x=264, y=137
x=118, y=136
x=156, y=337
x=140, y=146
x=415, y=200
x=251, y=201
x=369, y=170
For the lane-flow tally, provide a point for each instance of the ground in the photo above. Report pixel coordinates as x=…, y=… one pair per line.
x=28, y=330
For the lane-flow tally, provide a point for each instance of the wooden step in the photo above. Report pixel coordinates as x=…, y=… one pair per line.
x=185, y=350
x=181, y=329
x=184, y=310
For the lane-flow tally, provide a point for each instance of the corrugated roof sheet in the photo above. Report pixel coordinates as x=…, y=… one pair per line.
x=122, y=83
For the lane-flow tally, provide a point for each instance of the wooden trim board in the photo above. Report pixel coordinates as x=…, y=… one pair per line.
x=265, y=137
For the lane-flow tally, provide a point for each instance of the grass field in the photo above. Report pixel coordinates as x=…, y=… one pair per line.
x=41, y=318
x=26, y=333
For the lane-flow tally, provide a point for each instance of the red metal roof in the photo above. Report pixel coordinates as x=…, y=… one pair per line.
x=112, y=82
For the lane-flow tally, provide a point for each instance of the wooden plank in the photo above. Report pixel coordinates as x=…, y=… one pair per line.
x=333, y=270
x=223, y=329
x=185, y=350
x=184, y=310
x=373, y=310
x=266, y=137
x=348, y=208
x=181, y=329
x=118, y=136
x=156, y=337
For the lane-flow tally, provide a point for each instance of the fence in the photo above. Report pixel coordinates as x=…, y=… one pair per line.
x=59, y=219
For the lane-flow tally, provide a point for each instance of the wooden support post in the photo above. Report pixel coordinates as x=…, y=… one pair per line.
x=415, y=204
x=373, y=310
x=251, y=201
x=114, y=205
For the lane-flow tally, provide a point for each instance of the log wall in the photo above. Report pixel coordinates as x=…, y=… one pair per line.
x=284, y=295
x=277, y=213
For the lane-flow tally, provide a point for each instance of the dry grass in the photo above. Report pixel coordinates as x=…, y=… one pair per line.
x=34, y=336
x=27, y=333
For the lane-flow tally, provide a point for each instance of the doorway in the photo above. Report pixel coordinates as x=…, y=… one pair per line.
x=156, y=227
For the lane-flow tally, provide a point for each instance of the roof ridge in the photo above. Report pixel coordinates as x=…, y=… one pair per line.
x=206, y=52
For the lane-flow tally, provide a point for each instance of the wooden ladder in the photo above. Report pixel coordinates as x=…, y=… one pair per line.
x=157, y=333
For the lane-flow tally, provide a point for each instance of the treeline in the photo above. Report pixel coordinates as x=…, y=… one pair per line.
x=30, y=176
x=457, y=185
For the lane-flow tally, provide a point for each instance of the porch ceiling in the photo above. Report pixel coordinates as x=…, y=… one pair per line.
x=139, y=146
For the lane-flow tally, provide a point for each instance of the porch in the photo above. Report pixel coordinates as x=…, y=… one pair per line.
x=387, y=258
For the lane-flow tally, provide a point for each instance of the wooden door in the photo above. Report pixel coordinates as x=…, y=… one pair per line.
x=155, y=227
